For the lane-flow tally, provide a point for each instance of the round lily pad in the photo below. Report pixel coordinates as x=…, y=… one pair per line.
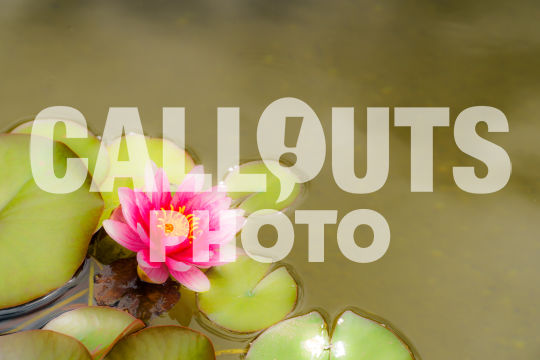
x=157, y=150
x=97, y=327
x=358, y=338
x=163, y=343
x=301, y=338
x=42, y=345
x=44, y=236
x=280, y=182
x=245, y=296
x=354, y=337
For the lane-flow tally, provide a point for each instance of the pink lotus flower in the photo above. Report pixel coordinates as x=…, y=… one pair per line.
x=180, y=220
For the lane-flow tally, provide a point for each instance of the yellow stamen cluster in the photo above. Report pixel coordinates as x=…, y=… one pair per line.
x=175, y=223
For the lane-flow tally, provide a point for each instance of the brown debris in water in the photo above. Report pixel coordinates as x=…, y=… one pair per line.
x=118, y=285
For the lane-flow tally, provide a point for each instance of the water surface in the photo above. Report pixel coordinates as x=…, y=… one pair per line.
x=461, y=276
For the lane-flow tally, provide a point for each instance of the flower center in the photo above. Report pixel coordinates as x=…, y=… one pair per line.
x=175, y=223
x=169, y=228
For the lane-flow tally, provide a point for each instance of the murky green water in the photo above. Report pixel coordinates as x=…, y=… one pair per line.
x=461, y=276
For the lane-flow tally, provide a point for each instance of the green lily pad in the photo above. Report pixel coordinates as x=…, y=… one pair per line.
x=301, y=338
x=244, y=297
x=42, y=345
x=98, y=328
x=44, y=236
x=157, y=149
x=306, y=337
x=358, y=338
x=279, y=180
x=163, y=343
x=83, y=147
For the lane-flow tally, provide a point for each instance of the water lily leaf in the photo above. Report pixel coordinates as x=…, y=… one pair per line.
x=84, y=147
x=42, y=345
x=358, y=338
x=118, y=285
x=281, y=179
x=301, y=338
x=354, y=338
x=244, y=297
x=158, y=149
x=98, y=328
x=164, y=343
x=44, y=236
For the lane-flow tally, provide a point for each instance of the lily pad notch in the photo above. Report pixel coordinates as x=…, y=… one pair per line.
x=247, y=296
x=354, y=337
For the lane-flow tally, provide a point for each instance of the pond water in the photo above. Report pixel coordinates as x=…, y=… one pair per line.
x=461, y=276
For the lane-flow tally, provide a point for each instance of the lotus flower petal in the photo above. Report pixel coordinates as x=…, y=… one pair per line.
x=129, y=207
x=158, y=275
x=123, y=234
x=194, y=279
x=177, y=265
x=143, y=258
